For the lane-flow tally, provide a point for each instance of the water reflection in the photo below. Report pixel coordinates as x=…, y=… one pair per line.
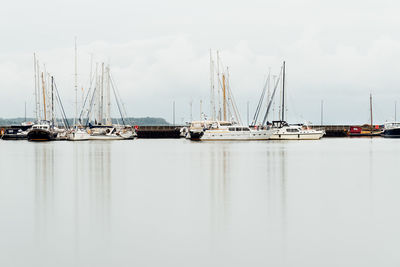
x=219, y=185
x=276, y=194
x=82, y=198
x=44, y=189
x=100, y=183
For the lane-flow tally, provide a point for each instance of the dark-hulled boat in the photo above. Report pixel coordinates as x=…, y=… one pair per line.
x=14, y=134
x=43, y=131
x=391, y=130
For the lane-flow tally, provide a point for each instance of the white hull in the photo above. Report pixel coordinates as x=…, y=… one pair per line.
x=106, y=137
x=297, y=136
x=78, y=136
x=223, y=135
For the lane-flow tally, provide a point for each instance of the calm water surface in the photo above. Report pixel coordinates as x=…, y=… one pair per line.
x=333, y=202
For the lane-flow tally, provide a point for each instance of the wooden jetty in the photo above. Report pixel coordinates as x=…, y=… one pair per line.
x=333, y=130
x=169, y=131
x=158, y=131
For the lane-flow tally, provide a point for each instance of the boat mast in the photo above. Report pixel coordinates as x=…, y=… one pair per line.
x=44, y=98
x=76, y=85
x=224, y=95
x=219, y=91
x=52, y=99
x=108, y=96
x=212, y=96
x=322, y=112
x=191, y=110
x=283, y=91
x=370, y=107
x=36, y=89
x=102, y=94
x=201, y=109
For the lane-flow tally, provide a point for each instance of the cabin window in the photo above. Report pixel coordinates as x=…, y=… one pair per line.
x=231, y=129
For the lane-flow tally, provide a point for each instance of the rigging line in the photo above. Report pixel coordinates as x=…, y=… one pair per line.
x=235, y=108
x=272, y=97
x=260, y=102
x=232, y=101
x=87, y=96
x=90, y=106
x=116, y=99
x=66, y=124
x=119, y=96
x=83, y=107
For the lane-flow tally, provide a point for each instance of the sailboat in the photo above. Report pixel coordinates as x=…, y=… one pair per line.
x=220, y=127
x=77, y=133
x=283, y=131
x=97, y=106
x=367, y=129
x=45, y=130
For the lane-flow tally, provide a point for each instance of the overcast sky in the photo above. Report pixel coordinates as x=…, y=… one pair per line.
x=338, y=51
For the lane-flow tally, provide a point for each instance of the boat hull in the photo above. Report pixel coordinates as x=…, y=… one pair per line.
x=14, y=137
x=218, y=135
x=110, y=137
x=78, y=136
x=297, y=136
x=41, y=135
x=391, y=133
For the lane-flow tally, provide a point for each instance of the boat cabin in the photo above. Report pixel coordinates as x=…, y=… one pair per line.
x=392, y=125
x=238, y=129
x=355, y=130
x=279, y=124
x=41, y=126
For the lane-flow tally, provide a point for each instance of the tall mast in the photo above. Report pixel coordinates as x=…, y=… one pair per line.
x=269, y=85
x=248, y=122
x=224, y=95
x=52, y=99
x=36, y=89
x=322, y=112
x=102, y=94
x=201, y=109
x=219, y=91
x=76, y=85
x=370, y=107
x=212, y=96
x=108, y=96
x=191, y=110
x=283, y=91
x=173, y=113
x=44, y=98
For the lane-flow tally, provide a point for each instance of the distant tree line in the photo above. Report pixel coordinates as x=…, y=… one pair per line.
x=129, y=121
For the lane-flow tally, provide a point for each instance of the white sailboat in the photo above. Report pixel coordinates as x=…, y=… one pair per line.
x=77, y=133
x=283, y=131
x=219, y=127
x=220, y=130
x=99, y=110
